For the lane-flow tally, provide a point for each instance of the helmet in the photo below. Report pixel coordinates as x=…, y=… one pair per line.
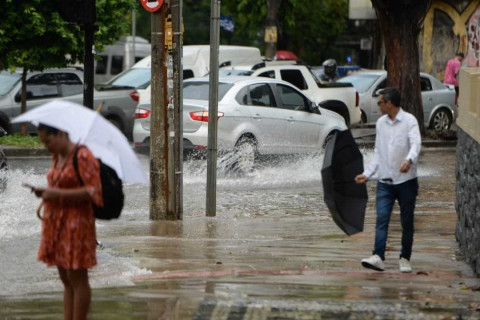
x=330, y=68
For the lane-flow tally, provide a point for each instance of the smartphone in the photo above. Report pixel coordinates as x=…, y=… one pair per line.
x=27, y=185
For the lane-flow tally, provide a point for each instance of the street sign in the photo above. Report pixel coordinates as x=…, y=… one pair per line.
x=151, y=5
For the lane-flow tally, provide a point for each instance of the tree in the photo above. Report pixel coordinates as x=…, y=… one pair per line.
x=33, y=35
x=401, y=22
x=308, y=28
x=271, y=24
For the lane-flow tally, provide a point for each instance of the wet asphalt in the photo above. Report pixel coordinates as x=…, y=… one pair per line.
x=287, y=265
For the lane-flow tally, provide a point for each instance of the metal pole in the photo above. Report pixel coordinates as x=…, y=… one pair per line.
x=89, y=48
x=213, y=110
x=134, y=31
x=177, y=14
x=170, y=114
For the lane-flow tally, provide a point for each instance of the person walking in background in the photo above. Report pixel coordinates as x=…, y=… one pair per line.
x=68, y=225
x=452, y=69
x=397, y=147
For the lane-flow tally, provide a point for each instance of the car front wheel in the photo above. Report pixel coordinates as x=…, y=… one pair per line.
x=242, y=159
x=441, y=121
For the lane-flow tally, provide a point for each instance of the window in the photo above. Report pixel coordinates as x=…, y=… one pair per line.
x=292, y=99
x=261, y=95
x=69, y=83
x=295, y=77
x=425, y=84
x=117, y=65
x=199, y=90
x=8, y=81
x=382, y=85
x=267, y=74
x=133, y=77
x=101, y=67
x=42, y=86
x=242, y=97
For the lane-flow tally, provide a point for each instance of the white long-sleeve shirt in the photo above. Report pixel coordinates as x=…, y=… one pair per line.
x=395, y=142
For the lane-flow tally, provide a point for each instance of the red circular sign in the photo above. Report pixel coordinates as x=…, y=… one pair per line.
x=151, y=5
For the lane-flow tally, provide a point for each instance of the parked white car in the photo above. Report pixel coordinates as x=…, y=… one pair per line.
x=256, y=116
x=439, y=108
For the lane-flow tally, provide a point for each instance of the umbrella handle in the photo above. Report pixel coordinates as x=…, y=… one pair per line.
x=39, y=211
x=99, y=108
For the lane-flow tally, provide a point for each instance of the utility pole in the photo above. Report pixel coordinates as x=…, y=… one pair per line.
x=160, y=188
x=166, y=100
x=211, y=205
x=89, y=52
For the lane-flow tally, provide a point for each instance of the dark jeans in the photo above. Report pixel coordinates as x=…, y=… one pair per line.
x=406, y=194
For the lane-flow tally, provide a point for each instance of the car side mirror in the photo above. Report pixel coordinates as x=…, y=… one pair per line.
x=315, y=108
x=18, y=96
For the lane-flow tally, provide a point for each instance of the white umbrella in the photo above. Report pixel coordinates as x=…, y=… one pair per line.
x=88, y=127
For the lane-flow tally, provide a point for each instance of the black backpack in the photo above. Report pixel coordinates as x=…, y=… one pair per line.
x=112, y=191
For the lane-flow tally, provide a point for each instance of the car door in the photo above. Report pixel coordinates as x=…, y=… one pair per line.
x=267, y=118
x=41, y=88
x=303, y=127
x=429, y=97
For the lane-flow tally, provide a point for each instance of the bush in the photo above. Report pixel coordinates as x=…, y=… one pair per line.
x=20, y=141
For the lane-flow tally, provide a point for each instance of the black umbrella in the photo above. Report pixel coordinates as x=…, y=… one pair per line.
x=345, y=199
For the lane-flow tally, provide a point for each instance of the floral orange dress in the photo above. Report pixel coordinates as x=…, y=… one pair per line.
x=68, y=226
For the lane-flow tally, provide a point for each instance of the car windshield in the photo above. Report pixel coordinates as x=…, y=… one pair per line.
x=138, y=78
x=233, y=72
x=8, y=81
x=198, y=90
x=361, y=82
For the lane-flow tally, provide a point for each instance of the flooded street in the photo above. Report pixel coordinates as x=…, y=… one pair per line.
x=272, y=244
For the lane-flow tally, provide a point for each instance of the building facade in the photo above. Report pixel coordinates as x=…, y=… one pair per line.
x=450, y=26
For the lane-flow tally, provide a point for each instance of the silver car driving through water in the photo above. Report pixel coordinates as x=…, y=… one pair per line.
x=256, y=116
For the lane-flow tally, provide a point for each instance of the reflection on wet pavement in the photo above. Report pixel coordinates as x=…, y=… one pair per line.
x=273, y=252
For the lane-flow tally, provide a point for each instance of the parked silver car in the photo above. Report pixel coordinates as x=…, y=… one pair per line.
x=119, y=102
x=439, y=108
x=256, y=116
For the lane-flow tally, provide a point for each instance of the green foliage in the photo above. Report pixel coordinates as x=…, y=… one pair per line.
x=308, y=28
x=34, y=36
x=21, y=141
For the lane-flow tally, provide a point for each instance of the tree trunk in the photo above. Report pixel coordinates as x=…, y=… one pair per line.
x=271, y=27
x=401, y=21
x=23, y=99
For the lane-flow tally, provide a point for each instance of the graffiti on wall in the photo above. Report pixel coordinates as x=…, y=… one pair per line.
x=473, y=29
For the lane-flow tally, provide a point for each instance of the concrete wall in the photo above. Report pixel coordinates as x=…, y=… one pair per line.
x=468, y=167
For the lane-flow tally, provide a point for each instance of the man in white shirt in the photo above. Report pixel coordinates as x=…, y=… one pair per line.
x=397, y=147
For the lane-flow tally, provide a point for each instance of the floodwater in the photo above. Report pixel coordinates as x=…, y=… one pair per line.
x=264, y=221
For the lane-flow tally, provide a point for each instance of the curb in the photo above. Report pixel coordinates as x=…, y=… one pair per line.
x=15, y=152
x=428, y=144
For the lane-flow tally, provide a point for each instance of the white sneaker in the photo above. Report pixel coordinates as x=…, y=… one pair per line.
x=374, y=262
x=404, y=265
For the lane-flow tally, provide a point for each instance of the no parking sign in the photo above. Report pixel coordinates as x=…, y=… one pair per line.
x=151, y=5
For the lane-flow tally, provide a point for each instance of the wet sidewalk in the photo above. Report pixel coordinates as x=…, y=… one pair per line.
x=287, y=261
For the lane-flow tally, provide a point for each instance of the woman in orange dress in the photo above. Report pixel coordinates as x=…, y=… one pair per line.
x=68, y=227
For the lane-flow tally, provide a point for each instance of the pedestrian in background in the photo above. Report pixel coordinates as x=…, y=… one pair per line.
x=68, y=226
x=397, y=147
x=452, y=69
